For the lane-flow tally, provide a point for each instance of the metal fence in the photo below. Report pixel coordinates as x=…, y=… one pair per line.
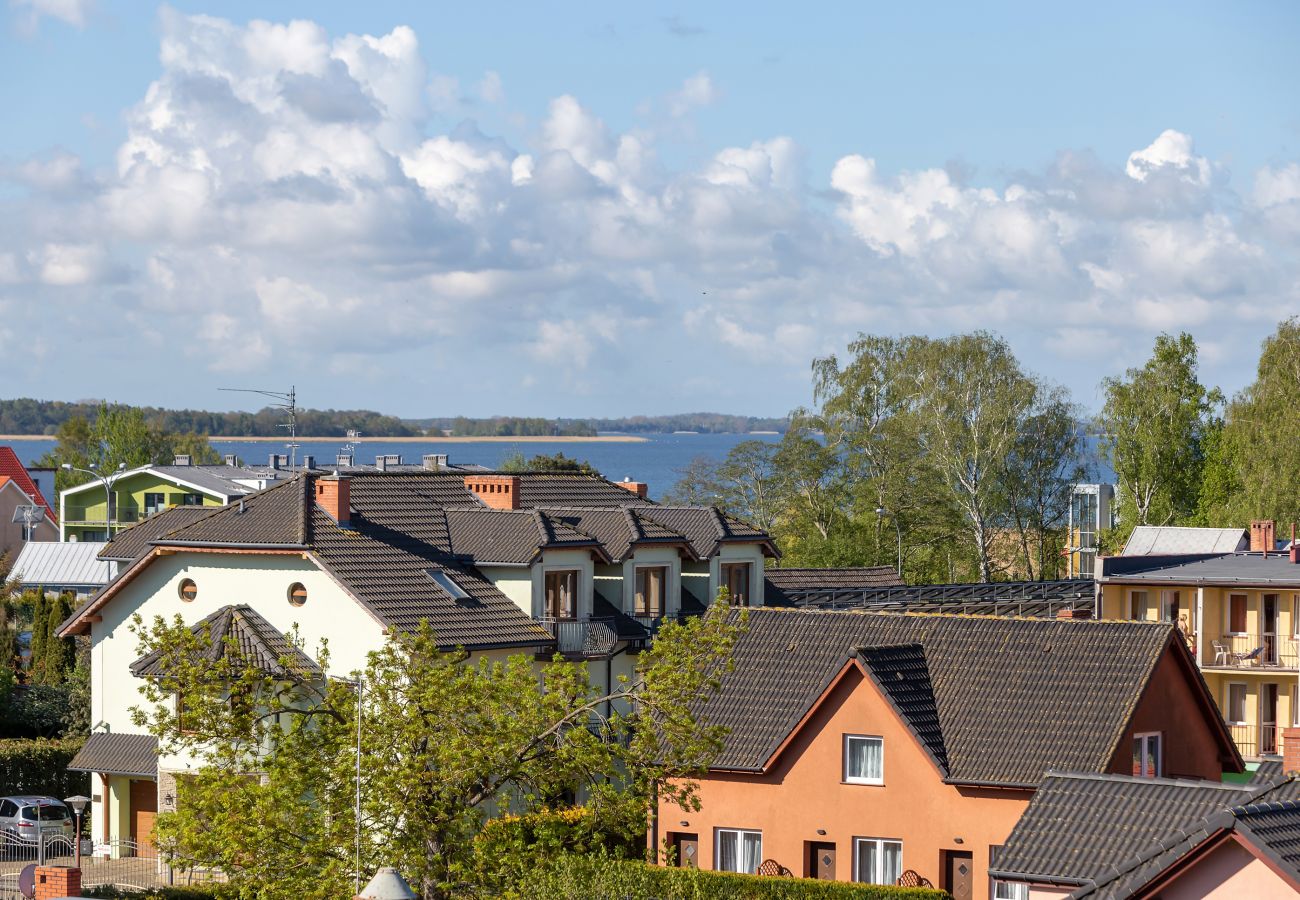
x=122, y=864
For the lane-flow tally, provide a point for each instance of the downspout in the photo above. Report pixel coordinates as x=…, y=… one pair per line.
x=1199, y=631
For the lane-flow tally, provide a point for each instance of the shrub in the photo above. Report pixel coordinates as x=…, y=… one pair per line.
x=510, y=847
x=41, y=767
x=108, y=892
x=604, y=878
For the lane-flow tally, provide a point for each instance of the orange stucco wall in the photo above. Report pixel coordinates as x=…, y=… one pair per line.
x=1229, y=872
x=804, y=792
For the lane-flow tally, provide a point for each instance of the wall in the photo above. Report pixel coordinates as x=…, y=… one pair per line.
x=750, y=553
x=804, y=792
x=86, y=505
x=515, y=583
x=659, y=556
x=11, y=532
x=1228, y=872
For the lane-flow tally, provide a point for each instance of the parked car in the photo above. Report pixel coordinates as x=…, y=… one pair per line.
x=28, y=816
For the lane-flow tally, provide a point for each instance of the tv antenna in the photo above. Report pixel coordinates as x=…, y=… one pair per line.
x=30, y=516
x=288, y=404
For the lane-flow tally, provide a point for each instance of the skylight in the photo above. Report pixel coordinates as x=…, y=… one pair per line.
x=443, y=580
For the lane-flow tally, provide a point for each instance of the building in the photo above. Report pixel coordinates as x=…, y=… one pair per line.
x=58, y=567
x=1114, y=836
x=497, y=564
x=1240, y=614
x=25, y=514
x=827, y=589
x=796, y=587
x=1092, y=511
x=863, y=745
x=1175, y=540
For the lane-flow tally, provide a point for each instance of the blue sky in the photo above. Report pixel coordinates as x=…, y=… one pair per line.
x=514, y=208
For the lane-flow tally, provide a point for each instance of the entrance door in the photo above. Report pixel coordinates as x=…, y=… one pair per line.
x=1268, y=718
x=144, y=810
x=959, y=874
x=1270, y=629
x=821, y=860
x=686, y=848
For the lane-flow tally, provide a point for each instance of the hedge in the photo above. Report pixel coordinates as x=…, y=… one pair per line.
x=510, y=847
x=604, y=878
x=107, y=892
x=41, y=767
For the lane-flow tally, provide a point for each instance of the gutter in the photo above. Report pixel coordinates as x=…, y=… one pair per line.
x=1040, y=879
x=215, y=545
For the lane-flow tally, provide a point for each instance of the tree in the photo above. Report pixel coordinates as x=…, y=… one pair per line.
x=1153, y=429
x=557, y=462
x=449, y=742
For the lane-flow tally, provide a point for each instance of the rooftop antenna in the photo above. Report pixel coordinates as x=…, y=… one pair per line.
x=354, y=437
x=30, y=516
x=288, y=403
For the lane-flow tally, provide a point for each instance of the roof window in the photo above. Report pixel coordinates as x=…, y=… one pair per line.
x=444, y=581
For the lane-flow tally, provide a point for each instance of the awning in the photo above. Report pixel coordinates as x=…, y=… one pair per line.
x=135, y=755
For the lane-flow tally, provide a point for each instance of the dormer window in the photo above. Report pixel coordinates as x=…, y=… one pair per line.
x=735, y=578
x=651, y=591
x=562, y=594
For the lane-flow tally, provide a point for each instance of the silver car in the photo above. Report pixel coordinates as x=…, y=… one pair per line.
x=27, y=817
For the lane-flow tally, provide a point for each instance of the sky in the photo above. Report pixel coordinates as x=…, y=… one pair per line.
x=612, y=209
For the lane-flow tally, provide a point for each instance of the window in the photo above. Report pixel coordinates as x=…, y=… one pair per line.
x=184, y=718
x=154, y=503
x=444, y=581
x=1010, y=890
x=1146, y=755
x=1137, y=605
x=1236, y=706
x=735, y=578
x=1169, y=605
x=192, y=500
x=864, y=759
x=877, y=861
x=297, y=594
x=651, y=590
x=1236, y=613
x=738, y=851
x=562, y=594
x=8, y=809
x=188, y=590
x=1295, y=713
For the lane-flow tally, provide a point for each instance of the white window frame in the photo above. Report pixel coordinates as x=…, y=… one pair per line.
x=740, y=833
x=1227, y=613
x=1227, y=701
x=844, y=759
x=880, y=856
x=1146, y=603
x=1010, y=890
x=1160, y=750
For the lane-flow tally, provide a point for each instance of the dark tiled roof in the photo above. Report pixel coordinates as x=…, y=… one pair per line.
x=133, y=541
x=704, y=526
x=274, y=517
x=1221, y=568
x=1079, y=825
x=240, y=630
x=903, y=676
x=781, y=580
x=116, y=753
x=1014, y=697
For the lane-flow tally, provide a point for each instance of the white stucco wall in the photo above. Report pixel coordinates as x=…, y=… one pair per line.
x=653, y=556
x=750, y=553
x=515, y=583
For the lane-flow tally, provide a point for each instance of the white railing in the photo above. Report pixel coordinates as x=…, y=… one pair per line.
x=1239, y=651
x=1255, y=741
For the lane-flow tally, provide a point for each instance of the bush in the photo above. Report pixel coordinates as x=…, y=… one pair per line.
x=604, y=878
x=108, y=892
x=41, y=767
x=509, y=848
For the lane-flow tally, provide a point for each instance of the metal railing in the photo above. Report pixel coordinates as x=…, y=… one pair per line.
x=590, y=637
x=1039, y=599
x=1255, y=741
x=1247, y=651
x=123, y=864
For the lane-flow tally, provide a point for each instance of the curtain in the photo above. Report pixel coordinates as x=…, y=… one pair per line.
x=867, y=859
x=865, y=758
x=752, y=852
x=892, y=861
x=727, y=851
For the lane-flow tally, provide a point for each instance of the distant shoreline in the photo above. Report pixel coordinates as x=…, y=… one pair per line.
x=420, y=439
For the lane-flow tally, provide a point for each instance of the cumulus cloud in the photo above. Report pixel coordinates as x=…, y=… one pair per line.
x=30, y=12
x=289, y=202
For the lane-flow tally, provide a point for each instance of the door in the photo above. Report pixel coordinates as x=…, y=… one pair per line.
x=821, y=860
x=1268, y=719
x=1270, y=629
x=144, y=810
x=686, y=849
x=958, y=874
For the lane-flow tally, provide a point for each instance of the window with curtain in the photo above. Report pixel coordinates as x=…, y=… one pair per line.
x=562, y=594
x=735, y=578
x=1237, y=613
x=877, y=861
x=1170, y=603
x=1137, y=605
x=651, y=589
x=1146, y=755
x=1010, y=890
x=739, y=851
x=1236, y=711
x=864, y=759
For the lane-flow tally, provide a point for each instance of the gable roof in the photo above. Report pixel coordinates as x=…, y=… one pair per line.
x=239, y=630
x=130, y=543
x=1013, y=698
x=12, y=467
x=1165, y=540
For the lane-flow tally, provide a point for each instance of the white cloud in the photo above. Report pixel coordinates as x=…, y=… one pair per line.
x=1171, y=151
x=491, y=89
x=696, y=92
x=71, y=12
x=1277, y=186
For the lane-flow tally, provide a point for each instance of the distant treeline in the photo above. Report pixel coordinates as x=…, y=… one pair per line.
x=510, y=426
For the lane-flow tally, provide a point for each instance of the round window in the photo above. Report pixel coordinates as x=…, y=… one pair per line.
x=188, y=590
x=297, y=594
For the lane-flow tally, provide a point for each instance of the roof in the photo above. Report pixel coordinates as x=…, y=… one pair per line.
x=130, y=543
x=242, y=631
x=1190, y=569
x=1164, y=540
x=991, y=598
x=12, y=467
x=58, y=565
x=1013, y=698
x=779, y=581
x=220, y=481
x=116, y=753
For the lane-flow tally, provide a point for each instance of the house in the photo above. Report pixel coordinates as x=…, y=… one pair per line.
x=19, y=494
x=57, y=567
x=1240, y=613
x=497, y=564
x=862, y=745
x=1092, y=511
x=1115, y=836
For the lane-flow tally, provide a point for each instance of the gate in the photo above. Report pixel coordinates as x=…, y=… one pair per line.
x=123, y=864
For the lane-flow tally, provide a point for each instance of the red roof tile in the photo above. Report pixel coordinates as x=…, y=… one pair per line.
x=12, y=466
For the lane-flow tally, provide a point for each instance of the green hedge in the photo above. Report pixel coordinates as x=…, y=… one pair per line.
x=41, y=767
x=105, y=892
x=603, y=878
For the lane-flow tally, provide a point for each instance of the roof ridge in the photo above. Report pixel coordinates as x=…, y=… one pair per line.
x=634, y=524
x=1163, y=780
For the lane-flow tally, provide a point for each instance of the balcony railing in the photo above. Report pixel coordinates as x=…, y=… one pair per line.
x=582, y=637
x=1255, y=741
x=1249, y=651
x=81, y=516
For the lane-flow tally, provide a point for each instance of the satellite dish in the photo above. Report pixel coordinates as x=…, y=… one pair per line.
x=27, y=881
x=28, y=514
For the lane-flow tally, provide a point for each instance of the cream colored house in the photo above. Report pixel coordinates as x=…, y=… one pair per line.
x=497, y=564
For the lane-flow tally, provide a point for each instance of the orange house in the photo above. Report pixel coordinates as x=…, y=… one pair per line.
x=863, y=746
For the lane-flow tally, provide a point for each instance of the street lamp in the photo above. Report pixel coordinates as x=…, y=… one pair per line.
x=78, y=804
x=107, y=482
x=882, y=512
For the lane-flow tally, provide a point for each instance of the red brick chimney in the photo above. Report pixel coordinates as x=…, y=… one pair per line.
x=1261, y=536
x=1295, y=551
x=334, y=495
x=57, y=881
x=640, y=488
x=1290, y=750
x=497, y=491
x=1073, y=614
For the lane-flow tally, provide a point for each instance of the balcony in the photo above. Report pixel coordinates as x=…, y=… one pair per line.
x=1252, y=651
x=1255, y=741
x=83, y=515
x=588, y=638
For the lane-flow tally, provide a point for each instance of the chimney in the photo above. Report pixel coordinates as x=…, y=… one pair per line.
x=1290, y=750
x=275, y=460
x=381, y=463
x=343, y=459
x=181, y=459
x=1073, y=614
x=53, y=882
x=497, y=491
x=230, y=459
x=640, y=488
x=309, y=462
x=1295, y=551
x=1261, y=536
x=334, y=495
x=434, y=461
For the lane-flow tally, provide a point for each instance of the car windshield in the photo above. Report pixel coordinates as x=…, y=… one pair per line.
x=45, y=813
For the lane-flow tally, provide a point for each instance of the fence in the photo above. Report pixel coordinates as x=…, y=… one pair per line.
x=119, y=863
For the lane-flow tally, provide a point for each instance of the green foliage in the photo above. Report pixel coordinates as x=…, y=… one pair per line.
x=111, y=892
x=603, y=878
x=557, y=462
x=515, y=426
x=41, y=767
x=53, y=657
x=509, y=848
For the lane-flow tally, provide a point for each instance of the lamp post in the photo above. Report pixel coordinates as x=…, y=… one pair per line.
x=78, y=804
x=107, y=482
x=882, y=512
